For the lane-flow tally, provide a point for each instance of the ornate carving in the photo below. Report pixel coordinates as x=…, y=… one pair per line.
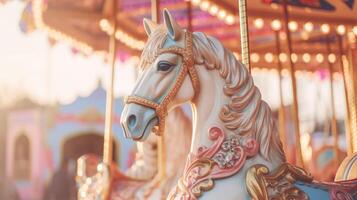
x=278, y=186
x=93, y=178
x=223, y=159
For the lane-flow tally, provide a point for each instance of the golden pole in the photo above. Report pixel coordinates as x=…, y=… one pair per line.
x=282, y=116
x=332, y=97
x=345, y=72
x=295, y=108
x=350, y=62
x=108, y=137
x=244, y=33
x=155, y=4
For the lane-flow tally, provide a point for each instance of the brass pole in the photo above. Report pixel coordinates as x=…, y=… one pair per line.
x=108, y=137
x=155, y=15
x=334, y=129
x=295, y=108
x=155, y=5
x=244, y=33
x=345, y=74
x=350, y=62
x=282, y=116
x=347, y=70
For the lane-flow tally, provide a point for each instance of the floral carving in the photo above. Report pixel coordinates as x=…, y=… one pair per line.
x=223, y=159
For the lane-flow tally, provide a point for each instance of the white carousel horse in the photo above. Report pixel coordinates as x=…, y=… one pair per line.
x=138, y=182
x=235, y=151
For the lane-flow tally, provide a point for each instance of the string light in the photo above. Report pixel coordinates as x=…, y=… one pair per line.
x=308, y=26
x=283, y=57
x=204, y=5
x=196, y=2
x=269, y=57
x=255, y=57
x=57, y=35
x=341, y=29
x=230, y=19
x=293, y=26
x=306, y=57
x=285, y=72
x=259, y=23
x=325, y=28
x=122, y=36
x=222, y=14
x=319, y=58
x=276, y=25
x=294, y=57
x=331, y=58
x=213, y=10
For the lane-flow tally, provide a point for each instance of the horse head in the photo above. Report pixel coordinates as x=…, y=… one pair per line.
x=167, y=79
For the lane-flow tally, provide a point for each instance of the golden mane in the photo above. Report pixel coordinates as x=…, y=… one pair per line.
x=246, y=113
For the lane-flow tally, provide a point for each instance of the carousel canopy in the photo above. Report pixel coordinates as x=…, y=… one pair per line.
x=86, y=25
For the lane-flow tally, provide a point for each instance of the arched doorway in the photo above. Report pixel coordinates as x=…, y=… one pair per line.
x=22, y=158
x=84, y=143
x=63, y=185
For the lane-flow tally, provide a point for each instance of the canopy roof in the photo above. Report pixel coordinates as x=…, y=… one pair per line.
x=85, y=24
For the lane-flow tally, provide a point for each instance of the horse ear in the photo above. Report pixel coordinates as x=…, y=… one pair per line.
x=173, y=28
x=149, y=26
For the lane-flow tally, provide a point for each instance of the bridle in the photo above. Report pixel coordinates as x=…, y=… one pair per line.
x=186, y=68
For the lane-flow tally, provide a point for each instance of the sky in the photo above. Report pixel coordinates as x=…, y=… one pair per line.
x=30, y=67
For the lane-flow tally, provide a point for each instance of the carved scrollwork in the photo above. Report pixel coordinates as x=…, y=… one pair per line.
x=262, y=185
x=223, y=159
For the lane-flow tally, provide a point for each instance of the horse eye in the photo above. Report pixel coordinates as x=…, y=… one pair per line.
x=164, y=66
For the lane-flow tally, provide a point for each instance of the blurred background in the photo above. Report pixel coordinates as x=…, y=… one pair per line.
x=54, y=70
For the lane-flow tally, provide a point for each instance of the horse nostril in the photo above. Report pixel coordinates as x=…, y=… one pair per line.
x=131, y=121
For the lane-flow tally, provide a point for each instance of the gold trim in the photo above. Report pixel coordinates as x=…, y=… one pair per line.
x=255, y=182
x=279, y=185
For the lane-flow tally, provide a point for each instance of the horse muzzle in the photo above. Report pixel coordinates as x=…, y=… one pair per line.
x=138, y=121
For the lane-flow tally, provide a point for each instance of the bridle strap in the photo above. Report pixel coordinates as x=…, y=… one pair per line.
x=186, y=68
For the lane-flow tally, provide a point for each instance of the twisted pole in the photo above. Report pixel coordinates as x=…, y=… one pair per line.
x=244, y=33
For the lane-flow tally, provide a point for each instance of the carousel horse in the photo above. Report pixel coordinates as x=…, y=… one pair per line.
x=235, y=151
x=139, y=181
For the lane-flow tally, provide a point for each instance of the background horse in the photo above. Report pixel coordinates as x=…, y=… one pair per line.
x=139, y=182
x=236, y=152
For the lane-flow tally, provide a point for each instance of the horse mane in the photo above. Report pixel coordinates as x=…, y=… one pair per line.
x=246, y=113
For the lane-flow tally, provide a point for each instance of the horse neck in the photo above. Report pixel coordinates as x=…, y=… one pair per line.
x=206, y=107
x=176, y=122
x=205, y=112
